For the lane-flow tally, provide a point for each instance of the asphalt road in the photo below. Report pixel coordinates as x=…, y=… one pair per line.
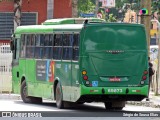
x=91, y=110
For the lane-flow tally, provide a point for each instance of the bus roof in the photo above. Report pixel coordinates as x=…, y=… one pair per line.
x=64, y=27
x=71, y=21
x=48, y=28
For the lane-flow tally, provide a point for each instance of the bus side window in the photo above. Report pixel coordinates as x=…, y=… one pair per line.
x=23, y=46
x=51, y=41
x=37, y=46
x=17, y=50
x=42, y=39
x=48, y=46
x=42, y=48
x=30, y=46
x=67, y=47
x=57, y=47
x=76, y=47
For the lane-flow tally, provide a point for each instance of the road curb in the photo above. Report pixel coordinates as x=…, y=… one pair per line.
x=9, y=97
x=144, y=103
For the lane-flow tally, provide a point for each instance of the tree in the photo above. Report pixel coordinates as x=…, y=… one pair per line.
x=120, y=3
x=111, y=18
x=74, y=8
x=86, y=6
x=17, y=13
x=156, y=8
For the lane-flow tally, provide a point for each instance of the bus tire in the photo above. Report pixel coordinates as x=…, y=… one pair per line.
x=24, y=96
x=108, y=105
x=118, y=108
x=59, y=97
x=80, y=103
x=118, y=105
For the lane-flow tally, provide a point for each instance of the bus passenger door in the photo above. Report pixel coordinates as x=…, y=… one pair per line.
x=65, y=71
x=75, y=66
x=15, y=66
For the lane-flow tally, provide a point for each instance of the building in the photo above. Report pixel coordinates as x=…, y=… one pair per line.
x=154, y=32
x=33, y=12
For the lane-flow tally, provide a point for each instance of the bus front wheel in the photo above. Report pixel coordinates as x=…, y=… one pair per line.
x=24, y=94
x=59, y=97
x=26, y=98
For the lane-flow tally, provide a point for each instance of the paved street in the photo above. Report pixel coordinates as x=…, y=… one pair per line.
x=88, y=111
x=18, y=105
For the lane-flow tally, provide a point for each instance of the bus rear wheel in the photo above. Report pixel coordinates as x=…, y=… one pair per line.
x=26, y=98
x=59, y=97
x=108, y=105
x=118, y=108
x=114, y=105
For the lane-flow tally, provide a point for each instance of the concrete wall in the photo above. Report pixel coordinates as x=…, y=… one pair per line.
x=62, y=9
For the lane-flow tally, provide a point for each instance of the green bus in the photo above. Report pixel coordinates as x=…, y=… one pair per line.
x=77, y=63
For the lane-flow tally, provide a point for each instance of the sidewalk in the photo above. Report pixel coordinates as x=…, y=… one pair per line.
x=7, y=96
x=154, y=101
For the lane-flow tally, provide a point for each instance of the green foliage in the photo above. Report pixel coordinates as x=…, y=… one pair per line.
x=120, y=3
x=86, y=6
x=133, y=3
x=111, y=18
x=156, y=8
x=101, y=10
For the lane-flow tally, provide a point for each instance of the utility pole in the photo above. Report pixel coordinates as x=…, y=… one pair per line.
x=74, y=4
x=146, y=19
x=17, y=13
x=50, y=4
x=97, y=7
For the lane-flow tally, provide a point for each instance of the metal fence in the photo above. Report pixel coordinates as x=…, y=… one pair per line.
x=5, y=68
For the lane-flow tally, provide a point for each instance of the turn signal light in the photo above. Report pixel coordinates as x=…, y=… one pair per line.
x=84, y=72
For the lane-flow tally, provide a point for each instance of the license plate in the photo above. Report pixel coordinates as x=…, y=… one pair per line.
x=114, y=79
x=115, y=90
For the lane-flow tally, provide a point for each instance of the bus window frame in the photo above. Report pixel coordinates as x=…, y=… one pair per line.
x=54, y=46
x=22, y=41
x=30, y=48
x=48, y=47
x=78, y=33
x=71, y=47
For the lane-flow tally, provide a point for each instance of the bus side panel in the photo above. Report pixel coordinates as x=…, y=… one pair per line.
x=22, y=63
x=75, y=81
x=48, y=82
x=34, y=89
x=48, y=90
x=63, y=73
x=15, y=80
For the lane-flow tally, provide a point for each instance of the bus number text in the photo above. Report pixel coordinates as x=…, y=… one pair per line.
x=115, y=90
